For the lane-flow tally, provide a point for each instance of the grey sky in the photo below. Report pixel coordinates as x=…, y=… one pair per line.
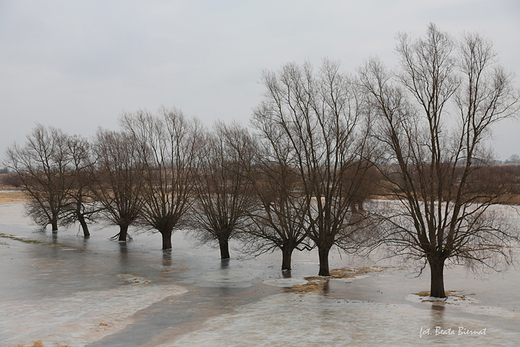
x=76, y=65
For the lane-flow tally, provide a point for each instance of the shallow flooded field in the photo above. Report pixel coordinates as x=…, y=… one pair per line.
x=67, y=291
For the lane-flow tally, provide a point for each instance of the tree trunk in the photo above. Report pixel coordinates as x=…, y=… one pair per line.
x=286, y=257
x=323, y=253
x=54, y=223
x=84, y=226
x=166, y=239
x=224, y=248
x=437, y=277
x=123, y=232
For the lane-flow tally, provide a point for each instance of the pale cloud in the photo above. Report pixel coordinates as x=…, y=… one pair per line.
x=77, y=65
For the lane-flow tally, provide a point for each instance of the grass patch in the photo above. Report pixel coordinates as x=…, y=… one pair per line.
x=38, y=343
x=12, y=196
x=313, y=285
x=34, y=242
x=316, y=284
x=12, y=237
x=348, y=272
x=423, y=293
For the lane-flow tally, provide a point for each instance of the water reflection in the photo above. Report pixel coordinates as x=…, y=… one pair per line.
x=224, y=264
x=123, y=249
x=85, y=244
x=326, y=288
x=124, y=261
x=167, y=257
x=437, y=314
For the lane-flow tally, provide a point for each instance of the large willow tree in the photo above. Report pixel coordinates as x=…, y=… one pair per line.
x=117, y=181
x=167, y=146
x=433, y=116
x=49, y=165
x=224, y=197
x=280, y=220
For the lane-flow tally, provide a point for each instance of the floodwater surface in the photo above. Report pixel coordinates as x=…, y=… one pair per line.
x=68, y=291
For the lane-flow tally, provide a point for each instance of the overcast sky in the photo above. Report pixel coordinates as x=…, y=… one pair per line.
x=76, y=65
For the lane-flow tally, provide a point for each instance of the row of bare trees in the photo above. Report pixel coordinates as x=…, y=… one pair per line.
x=314, y=150
x=163, y=171
x=320, y=143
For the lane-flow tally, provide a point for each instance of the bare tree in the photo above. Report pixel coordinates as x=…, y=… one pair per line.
x=117, y=182
x=44, y=166
x=79, y=206
x=513, y=159
x=322, y=117
x=167, y=145
x=280, y=222
x=433, y=118
x=223, y=195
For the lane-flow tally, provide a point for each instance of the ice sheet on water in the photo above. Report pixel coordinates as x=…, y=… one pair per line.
x=235, y=277
x=466, y=303
x=84, y=317
x=285, y=282
x=12, y=214
x=315, y=320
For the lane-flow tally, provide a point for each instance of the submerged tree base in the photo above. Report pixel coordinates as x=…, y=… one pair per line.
x=117, y=237
x=457, y=295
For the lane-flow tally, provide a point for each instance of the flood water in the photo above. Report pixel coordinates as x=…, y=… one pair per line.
x=64, y=290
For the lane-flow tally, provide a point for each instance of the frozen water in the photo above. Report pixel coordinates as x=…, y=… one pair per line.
x=316, y=320
x=467, y=303
x=285, y=282
x=83, y=317
x=65, y=290
x=231, y=277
